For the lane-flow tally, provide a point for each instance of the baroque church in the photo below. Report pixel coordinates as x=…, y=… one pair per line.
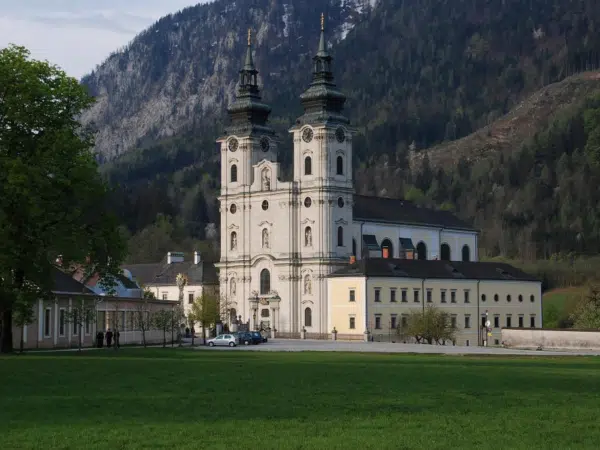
x=281, y=239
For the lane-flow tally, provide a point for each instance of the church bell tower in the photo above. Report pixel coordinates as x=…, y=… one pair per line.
x=323, y=162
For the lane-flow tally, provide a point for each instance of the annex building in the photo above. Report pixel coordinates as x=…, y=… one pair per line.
x=282, y=239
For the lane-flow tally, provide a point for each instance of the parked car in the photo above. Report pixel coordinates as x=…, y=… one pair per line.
x=245, y=338
x=259, y=337
x=224, y=339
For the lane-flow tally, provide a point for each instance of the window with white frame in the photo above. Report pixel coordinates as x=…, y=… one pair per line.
x=61, y=322
x=352, y=295
x=352, y=323
x=47, y=321
x=378, y=321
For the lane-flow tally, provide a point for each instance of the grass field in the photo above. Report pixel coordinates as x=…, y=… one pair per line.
x=559, y=304
x=180, y=398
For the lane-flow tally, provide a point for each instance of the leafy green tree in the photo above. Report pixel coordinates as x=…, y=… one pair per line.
x=143, y=318
x=81, y=314
x=586, y=315
x=205, y=310
x=163, y=321
x=23, y=315
x=431, y=325
x=53, y=201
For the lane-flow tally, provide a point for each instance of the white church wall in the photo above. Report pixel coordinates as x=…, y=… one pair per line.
x=456, y=240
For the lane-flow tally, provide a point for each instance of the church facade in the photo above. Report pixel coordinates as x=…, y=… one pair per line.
x=280, y=240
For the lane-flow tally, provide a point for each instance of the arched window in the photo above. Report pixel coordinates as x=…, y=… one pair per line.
x=353, y=247
x=265, y=281
x=421, y=251
x=387, y=244
x=308, y=166
x=466, y=253
x=308, y=317
x=233, y=241
x=340, y=236
x=445, y=252
x=232, y=315
x=233, y=174
x=340, y=165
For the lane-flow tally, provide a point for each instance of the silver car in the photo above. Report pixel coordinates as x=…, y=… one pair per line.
x=224, y=339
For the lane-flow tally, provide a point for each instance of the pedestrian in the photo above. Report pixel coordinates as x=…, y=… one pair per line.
x=109, y=336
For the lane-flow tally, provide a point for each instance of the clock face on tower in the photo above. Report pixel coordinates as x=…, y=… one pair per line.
x=265, y=144
x=307, y=135
x=340, y=135
x=233, y=144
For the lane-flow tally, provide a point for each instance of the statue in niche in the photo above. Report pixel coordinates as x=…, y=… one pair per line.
x=233, y=240
x=266, y=180
x=265, y=238
x=307, y=285
x=233, y=287
x=308, y=237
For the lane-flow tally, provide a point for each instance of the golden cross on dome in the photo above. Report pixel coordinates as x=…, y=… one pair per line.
x=322, y=22
x=249, y=36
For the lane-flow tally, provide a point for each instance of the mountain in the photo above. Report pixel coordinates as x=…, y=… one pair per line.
x=508, y=133
x=181, y=73
x=418, y=73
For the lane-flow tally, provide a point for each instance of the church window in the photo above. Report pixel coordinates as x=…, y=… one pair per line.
x=466, y=253
x=340, y=202
x=421, y=251
x=265, y=281
x=387, y=249
x=265, y=205
x=233, y=209
x=340, y=236
x=264, y=313
x=308, y=237
x=233, y=174
x=233, y=241
x=307, y=202
x=308, y=165
x=340, y=165
x=308, y=317
x=353, y=247
x=445, y=252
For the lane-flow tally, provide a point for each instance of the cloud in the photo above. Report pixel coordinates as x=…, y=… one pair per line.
x=76, y=35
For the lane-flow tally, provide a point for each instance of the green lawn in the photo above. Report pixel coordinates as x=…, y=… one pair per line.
x=559, y=304
x=181, y=398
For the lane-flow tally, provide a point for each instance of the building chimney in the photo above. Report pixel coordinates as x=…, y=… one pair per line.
x=352, y=259
x=197, y=258
x=174, y=257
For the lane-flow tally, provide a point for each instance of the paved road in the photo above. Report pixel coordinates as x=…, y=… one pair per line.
x=292, y=345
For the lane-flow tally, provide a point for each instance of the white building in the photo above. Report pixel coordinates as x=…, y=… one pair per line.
x=280, y=239
x=161, y=278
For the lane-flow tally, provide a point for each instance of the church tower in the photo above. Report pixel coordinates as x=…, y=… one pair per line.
x=323, y=179
x=248, y=139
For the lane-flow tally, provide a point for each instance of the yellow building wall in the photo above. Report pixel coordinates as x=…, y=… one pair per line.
x=471, y=301
x=341, y=309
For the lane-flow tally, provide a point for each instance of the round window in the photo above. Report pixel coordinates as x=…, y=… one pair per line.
x=496, y=297
x=508, y=298
x=265, y=205
x=520, y=298
x=233, y=209
x=483, y=297
x=307, y=202
x=340, y=202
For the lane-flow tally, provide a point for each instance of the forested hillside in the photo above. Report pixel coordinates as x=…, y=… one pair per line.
x=417, y=73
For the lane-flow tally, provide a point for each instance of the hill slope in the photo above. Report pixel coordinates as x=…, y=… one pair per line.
x=507, y=134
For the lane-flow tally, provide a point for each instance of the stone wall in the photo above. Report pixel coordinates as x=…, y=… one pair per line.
x=550, y=339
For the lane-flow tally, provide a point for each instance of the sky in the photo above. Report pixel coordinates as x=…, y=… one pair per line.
x=77, y=35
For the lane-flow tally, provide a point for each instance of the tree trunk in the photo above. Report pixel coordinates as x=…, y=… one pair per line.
x=22, y=344
x=6, y=346
x=164, y=337
x=203, y=334
x=144, y=337
x=79, y=336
